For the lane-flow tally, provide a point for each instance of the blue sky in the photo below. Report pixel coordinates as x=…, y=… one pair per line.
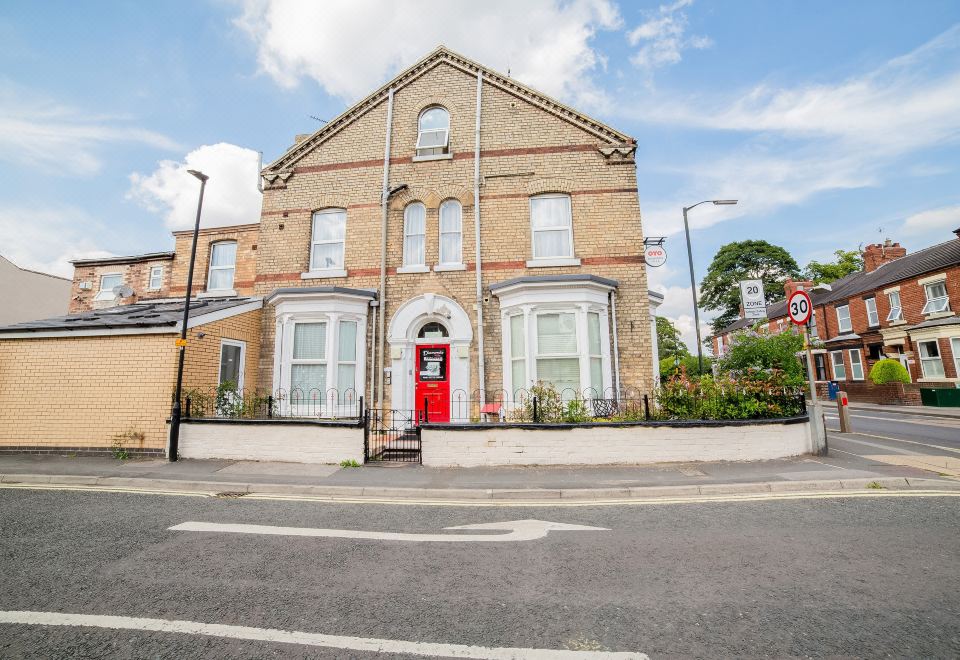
x=836, y=124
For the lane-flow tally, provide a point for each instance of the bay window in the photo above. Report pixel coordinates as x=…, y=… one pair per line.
x=930, y=362
x=308, y=365
x=843, y=318
x=558, y=361
x=518, y=354
x=937, y=299
x=552, y=226
x=451, y=233
x=594, y=347
x=955, y=347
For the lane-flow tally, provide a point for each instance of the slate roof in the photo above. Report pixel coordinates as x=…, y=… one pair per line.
x=137, y=315
x=928, y=260
x=556, y=279
x=934, y=323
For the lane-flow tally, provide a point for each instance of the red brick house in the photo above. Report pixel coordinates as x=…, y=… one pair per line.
x=900, y=306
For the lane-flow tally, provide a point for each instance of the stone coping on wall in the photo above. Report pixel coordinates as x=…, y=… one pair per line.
x=676, y=423
x=346, y=423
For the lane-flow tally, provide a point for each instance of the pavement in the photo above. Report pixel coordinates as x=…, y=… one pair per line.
x=130, y=575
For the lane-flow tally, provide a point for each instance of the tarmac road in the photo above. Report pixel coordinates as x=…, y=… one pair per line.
x=863, y=577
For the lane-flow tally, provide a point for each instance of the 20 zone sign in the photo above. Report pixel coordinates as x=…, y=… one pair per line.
x=799, y=307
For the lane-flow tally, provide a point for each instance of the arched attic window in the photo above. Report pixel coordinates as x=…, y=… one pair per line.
x=433, y=132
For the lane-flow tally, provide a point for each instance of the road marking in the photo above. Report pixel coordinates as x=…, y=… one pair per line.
x=370, y=645
x=519, y=504
x=911, y=442
x=517, y=530
x=938, y=421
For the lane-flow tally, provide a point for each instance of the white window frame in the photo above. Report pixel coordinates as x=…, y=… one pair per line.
x=337, y=270
x=108, y=294
x=421, y=132
x=898, y=308
x=856, y=365
x=924, y=360
x=156, y=272
x=557, y=228
x=812, y=325
x=232, y=267
x=873, y=316
x=408, y=265
x=955, y=349
x=292, y=361
x=834, y=355
x=840, y=319
x=242, y=345
x=521, y=358
x=578, y=353
x=938, y=303
x=355, y=363
x=443, y=259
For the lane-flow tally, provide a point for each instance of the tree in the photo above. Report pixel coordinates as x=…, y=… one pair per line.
x=669, y=343
x=848, y=261
x=889, y=371
x=765, y=351
x=744, y=260
x=671, y=366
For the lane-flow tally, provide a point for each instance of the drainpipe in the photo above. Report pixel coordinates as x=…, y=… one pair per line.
x=384, y=201
x=481, y=375
x=616, y=345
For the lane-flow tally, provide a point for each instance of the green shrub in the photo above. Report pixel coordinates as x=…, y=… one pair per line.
x=889, y=371
x=755, y=394
x=753, y=350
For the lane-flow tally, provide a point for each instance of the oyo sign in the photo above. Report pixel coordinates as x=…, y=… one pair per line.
x=753, y=299
x=655, y=256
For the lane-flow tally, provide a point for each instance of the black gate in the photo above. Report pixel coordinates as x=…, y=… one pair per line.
x=391, y=436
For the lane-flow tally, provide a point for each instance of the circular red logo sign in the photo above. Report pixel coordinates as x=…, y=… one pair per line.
x=655, y=256
x=799, y=307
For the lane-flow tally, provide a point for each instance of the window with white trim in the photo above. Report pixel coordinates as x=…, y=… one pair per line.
x=843, y=319
x=551, y=224
x=108, y=282
x=347, y=362
x=873, y=318
x=955, y=347
x=594, y=350
x=223, y=264
x=839, y=371
x=414, y=234
x=812, y=324
x=896, y=311
x=328, y=240
x=156, y=278
x=308, y=364
x=518, y=354
x=937, y=299
x=451, y=233
x=856, y=364
x=433, y=134
x=930, y=362
x=558, y=360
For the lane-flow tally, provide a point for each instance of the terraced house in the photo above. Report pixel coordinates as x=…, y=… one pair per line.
x=451, y=239
x=900, y=306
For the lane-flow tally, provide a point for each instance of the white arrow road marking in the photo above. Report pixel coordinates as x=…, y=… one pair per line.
x=308, y=639
x=517, y=530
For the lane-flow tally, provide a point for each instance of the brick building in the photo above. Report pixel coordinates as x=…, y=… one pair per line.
x=455, y=236
x=900, y=306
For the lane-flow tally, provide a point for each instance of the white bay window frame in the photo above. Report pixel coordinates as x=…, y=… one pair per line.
x=931, y=361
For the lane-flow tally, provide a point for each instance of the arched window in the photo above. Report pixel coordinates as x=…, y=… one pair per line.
x=433, y=136
x=223, y=264
x=451, y=232
x=327, y=240
x=414, y=230
x=552, y=226
x=433, y=330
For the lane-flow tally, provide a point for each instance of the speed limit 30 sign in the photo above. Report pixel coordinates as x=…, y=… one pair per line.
x=799, y=307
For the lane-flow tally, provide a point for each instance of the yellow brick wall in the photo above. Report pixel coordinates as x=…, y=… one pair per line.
x=202, y=357
x=83, y=392
x=135, y=275
x=243, y=277
x=526, y=150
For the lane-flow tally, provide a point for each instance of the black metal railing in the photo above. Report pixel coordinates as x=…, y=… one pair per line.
x=228, y=403
x=392, y=435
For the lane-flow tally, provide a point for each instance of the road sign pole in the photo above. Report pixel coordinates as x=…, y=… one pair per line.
x=817, y=428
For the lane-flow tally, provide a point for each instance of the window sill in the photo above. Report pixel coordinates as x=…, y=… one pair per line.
x=938, y=315
x=897, y=322
x=321, y=274
x=440, y=268
x=421, y=159
x=937, y=379
x=102, y=298
x=218, y=293
x=548, y=263
x=404, y=270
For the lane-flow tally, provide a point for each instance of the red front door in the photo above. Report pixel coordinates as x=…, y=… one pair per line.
x=432, y=378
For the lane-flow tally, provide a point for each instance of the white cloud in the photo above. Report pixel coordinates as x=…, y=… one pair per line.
x=810, y=139
x=56, y=138
x=47, y=238
x=230, y=198
x=678, y=307
x=662, y=39
x=945, y=217
x=351, y=47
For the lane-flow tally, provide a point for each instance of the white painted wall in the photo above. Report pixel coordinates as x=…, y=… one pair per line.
x=291, y=443
x=605, y=445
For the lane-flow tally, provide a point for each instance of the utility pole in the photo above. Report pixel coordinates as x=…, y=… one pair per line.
x=816, y=414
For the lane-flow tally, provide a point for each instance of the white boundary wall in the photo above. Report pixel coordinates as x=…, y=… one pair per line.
x=611, y=445
x=291, y=443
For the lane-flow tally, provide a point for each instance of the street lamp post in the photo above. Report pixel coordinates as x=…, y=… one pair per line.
x=693, y=279
x=182, y=344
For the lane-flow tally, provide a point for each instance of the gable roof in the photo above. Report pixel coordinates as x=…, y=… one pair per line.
x=443, y=55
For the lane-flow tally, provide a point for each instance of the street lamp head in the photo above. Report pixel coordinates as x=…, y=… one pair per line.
x=724, y=202
x=200, y=175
